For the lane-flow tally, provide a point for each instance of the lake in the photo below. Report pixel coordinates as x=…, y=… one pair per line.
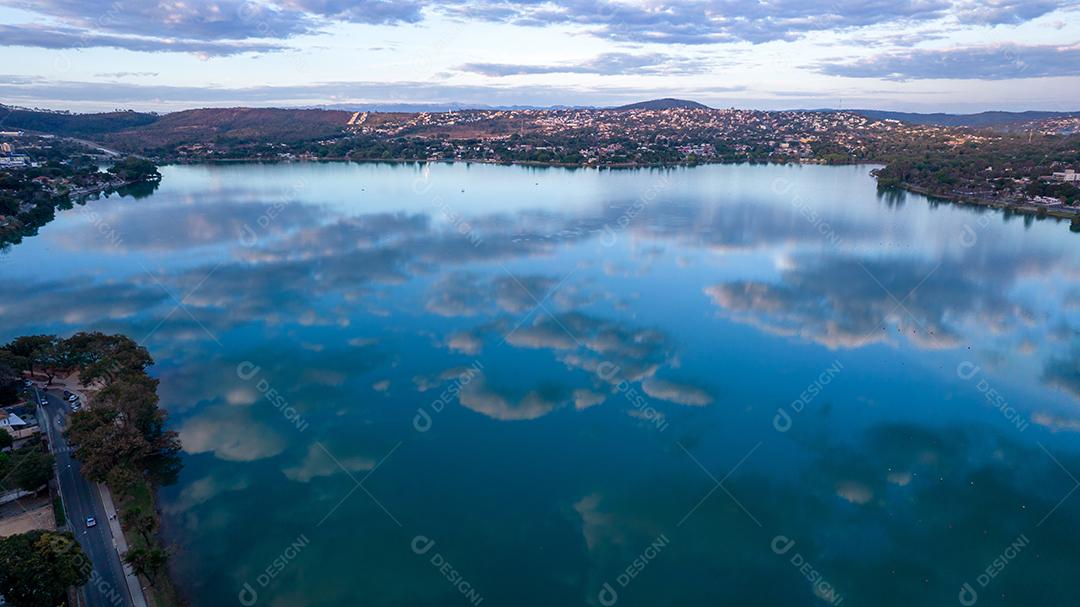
x=470, y=384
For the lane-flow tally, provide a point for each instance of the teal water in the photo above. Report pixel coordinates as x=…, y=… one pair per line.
x=470, y=384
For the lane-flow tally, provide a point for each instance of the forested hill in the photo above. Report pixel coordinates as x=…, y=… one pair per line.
x=664, y=104
x=980, y=120
x=162, y=134
x=72, y=125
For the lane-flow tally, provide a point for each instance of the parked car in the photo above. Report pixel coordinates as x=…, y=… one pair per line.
x=91, y=521
x=74, y=398
x=44, y=401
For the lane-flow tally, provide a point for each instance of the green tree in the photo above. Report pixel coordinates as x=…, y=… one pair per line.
x=105, y=443
x=141, y=521
x=37, y=568
x=135, y=169
x=104, y=358
x=9, y=377
x=31, y=467
x=30, y=348
x=147, y=561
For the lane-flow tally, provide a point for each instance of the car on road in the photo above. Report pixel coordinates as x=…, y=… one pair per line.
x=91, y=521
x=44, y=401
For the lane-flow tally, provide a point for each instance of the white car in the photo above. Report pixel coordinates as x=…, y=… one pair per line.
x=91, y=521
x=73, y=398
x=44, y=401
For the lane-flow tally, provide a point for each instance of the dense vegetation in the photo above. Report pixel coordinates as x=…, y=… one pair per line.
x=37, y=568
x=27, y=468
x=135, y=169
x=239, y=128
x=1004, y=168
x=73, y=125
x=122, y=439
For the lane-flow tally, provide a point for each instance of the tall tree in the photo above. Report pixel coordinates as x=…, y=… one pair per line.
x=9, y=377
x=147, y=561
x=31, y=348
x=105, y=443
x=104, y=358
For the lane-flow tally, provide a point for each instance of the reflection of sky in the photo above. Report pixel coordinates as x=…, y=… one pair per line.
x=697, y=300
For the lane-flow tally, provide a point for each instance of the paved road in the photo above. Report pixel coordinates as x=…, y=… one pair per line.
x=107, y=587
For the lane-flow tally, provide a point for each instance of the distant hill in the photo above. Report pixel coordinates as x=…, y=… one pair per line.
x=138, y=132
x=73, y=125
x=980, y=120
x=438, y=107
x=664, y=104
x=233, y=126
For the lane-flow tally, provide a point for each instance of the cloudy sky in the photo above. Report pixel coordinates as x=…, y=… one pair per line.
x=918, y=55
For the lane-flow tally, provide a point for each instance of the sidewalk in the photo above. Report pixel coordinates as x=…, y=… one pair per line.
x=120, y=543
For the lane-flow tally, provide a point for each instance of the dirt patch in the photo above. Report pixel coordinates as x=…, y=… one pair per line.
x=27, y=514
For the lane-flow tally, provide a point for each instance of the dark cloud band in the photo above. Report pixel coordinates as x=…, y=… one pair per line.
x=998, y=62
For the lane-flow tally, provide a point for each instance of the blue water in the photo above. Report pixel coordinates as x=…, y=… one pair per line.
x=471, y=384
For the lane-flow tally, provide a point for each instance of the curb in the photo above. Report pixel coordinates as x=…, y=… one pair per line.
x=138, y=599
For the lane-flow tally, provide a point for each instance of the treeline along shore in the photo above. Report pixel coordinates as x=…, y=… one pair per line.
x=118, y=433
x=1019, y=162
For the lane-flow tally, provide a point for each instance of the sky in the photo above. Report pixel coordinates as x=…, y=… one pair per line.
x=906, y=55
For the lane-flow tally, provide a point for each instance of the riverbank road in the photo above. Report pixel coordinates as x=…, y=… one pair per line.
x=109, y=583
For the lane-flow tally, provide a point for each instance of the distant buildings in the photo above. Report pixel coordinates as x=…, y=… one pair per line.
x=14, y=161
x=1066, y=176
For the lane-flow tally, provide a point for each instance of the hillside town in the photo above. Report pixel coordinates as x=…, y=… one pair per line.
x=1008, y=167
x=644, y=136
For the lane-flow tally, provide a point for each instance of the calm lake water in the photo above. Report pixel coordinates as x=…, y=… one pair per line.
x=470, y=384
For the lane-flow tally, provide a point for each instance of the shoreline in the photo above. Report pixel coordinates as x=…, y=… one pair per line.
x=16, y=225
x=1057, y=212
x=525, y=163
